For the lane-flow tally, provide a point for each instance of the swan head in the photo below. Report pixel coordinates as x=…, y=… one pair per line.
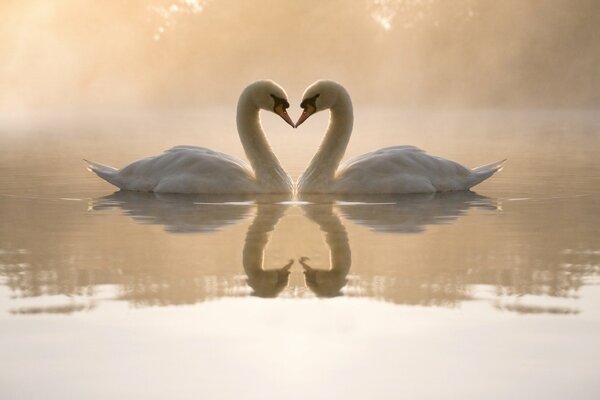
x=268, y=95
x=321, y=95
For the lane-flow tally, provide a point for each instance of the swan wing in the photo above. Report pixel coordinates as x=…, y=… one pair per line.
x=210, y=153
x=405, y=169
x=383, y=152
x=185, y=169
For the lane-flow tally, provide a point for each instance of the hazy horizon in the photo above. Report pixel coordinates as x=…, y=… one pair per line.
x=193, y=53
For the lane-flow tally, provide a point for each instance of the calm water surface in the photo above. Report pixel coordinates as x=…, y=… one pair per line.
x=488, y=294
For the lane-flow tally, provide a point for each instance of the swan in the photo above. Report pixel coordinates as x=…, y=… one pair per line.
x=191, y=169
x=391, y=170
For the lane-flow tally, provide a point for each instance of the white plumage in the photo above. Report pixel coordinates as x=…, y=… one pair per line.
x=398, y=169
x=191, y=169
x=182, y=169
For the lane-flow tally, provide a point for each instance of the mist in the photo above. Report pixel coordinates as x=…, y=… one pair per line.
x=78, y=54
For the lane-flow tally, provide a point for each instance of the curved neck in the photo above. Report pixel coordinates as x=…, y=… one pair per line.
x=268, y=171
x=329, y=282
x=322, y=168
x=265, y=283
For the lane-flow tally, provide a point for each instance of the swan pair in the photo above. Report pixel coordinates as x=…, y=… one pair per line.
x=392, y=170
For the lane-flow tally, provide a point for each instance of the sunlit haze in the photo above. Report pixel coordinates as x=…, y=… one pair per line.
x=412, y=53
x=430, y=231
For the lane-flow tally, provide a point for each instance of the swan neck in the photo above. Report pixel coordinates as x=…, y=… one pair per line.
x=267, y=168
x=324, y=164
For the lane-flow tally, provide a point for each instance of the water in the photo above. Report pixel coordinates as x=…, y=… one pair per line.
x=492, y=294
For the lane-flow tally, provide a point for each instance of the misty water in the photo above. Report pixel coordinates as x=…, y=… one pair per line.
x=485, y=294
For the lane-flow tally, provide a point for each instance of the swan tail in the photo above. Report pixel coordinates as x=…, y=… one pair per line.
x=483, y=172
x=109, y=174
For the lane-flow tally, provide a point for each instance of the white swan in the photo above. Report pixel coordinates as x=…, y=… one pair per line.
x=398, y=169
x=190, y=169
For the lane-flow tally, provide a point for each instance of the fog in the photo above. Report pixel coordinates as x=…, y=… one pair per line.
x=78, y=54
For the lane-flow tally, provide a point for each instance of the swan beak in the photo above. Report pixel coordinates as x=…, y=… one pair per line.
x=282, y=112
x=308, y=111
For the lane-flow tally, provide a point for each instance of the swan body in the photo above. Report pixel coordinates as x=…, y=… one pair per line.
x=191, y=169
x=391, y=170
x=182, y=169
x=407, y=169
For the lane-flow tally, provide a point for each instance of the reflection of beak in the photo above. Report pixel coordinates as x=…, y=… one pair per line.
x=282, y=112
x=308, y=111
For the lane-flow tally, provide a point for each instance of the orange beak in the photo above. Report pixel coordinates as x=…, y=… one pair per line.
x=282, y=112
x=308, y=111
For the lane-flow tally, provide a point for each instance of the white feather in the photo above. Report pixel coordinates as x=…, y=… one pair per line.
x=398, y=169
x=191, y=169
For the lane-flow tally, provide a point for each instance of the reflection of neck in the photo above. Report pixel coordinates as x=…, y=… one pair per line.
x=265, y=283
x=336, y=237
x=330, y=282
x=268, y=170
x=322, y=168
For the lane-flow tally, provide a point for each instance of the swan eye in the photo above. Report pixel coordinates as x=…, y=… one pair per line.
x=279, y=101
x=312, y=101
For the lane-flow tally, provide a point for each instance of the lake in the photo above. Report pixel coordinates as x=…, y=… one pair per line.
x=488, y=294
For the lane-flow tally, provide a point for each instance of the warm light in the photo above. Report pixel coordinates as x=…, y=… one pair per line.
x=169, y=13
x=383, y=11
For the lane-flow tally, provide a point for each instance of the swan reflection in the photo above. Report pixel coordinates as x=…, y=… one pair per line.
x=222, y=246
x=264, y=283
x=180, y=213
x=328, y=282
x=382, y=213
x=409, y=213
x=208, y=213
